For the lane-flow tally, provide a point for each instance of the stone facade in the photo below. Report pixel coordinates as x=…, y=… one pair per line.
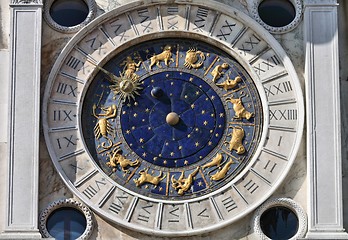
x=314, y=181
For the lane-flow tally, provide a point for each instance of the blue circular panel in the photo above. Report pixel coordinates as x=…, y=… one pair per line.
x=191, y=137
x=178, y=119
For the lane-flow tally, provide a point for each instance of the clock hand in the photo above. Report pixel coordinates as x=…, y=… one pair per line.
x=113, y=77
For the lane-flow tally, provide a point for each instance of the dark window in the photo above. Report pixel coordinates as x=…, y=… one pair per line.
x=277, y=13
x=66, y=223
x=279, y=223
x=69, y=13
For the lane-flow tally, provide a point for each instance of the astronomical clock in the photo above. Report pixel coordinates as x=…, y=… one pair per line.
x=173, y=119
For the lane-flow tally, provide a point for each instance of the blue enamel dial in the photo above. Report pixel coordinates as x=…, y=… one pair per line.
x=172, y=119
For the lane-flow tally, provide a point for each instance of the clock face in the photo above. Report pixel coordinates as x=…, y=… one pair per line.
x=165, y=118
x=180, y=119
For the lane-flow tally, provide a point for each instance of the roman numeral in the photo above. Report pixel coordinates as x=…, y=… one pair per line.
x=226, y=30
x=117, y=32
x=117, y=205
x=75, y=167
x=275, y=89
x=95, y=44
x=229, y=204
x=201, y=17
x=144, y=16
x=172, y=21
x=251, y=186
x=63, y=115
x=270, y=166
x=250, y=44
x=287, y=114
x=266, y=65
x=73, y=62
x=174, y=214
x=89, y=192
x=145, y=216
x=68, y=140
x=66, y=89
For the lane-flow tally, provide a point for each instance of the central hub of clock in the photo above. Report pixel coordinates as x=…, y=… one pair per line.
x=172, y=118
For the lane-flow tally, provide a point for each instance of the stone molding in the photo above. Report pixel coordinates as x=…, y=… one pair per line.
x=276, y=202
x=71, y=203
x=15, y=2
x=22, y=180
x=325, y=211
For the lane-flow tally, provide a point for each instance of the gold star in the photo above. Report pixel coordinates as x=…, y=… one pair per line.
x=217, y=135
x=160, y=155
x=152, y=80
x=207, y=99
x=211, y=131
x=136, y=104
x=124, y=112
x=220, y=126
x=172, y=154
x=165, y=162
x=167, y=75
x=221, y=115
x=197, y=93
x=185, y=96
x=192, y=106
x=135, y=115
x=196, y=129
x=147, y=186
x=203, y=111
x=208, y=54
x=210, y=143
x=191, y=79
x=141, y=140
x=160, y=189
x=189, y=135
x=133, y=127
x=144, y=154
x=172, y=83
x=128, y=131
x=167, y=143
x=197, y=144
x=180, y=147
x=128, y=105
x=149, y=128
x=143, y=120
x=212, y=97
x=205, y=123
x=155, y=158
x=200, y=183
x=186, y=162
x=147, y=110
x=212, y=115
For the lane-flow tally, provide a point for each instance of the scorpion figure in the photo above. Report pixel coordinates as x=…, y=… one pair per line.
x=103, y=127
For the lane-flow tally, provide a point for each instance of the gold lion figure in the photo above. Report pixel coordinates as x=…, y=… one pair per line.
x=165, y=56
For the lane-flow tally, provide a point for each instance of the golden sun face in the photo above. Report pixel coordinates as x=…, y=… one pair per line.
x=126, y=88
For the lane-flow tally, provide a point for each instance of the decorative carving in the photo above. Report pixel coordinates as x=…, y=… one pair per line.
x=103, y=127
x=148, y=178
x=222, y=173
x=217, y=71
x=192, y=58
x=236, y=140
x=183, y=184
x=116, y=158
x=229, y=83
x=285, y=202
x=66, y=203
x=165, y=56
x=26, y=2
x=239, y=110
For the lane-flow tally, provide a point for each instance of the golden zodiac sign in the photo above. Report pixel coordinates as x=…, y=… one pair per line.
x=239, y=110
x=229, y=83
x=217, y=71
x=103, y=127
x=236, y=140
x=130, y=67
x=165, y=56
x=214, y=162
x=222, y=173
x=148, y=178
x=116, y=158
x=192, y=58
x=183, y=184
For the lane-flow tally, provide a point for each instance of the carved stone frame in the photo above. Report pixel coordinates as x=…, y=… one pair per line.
x=284, y=202
x=92, y=9
x=278, y=30
x=71, y=203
